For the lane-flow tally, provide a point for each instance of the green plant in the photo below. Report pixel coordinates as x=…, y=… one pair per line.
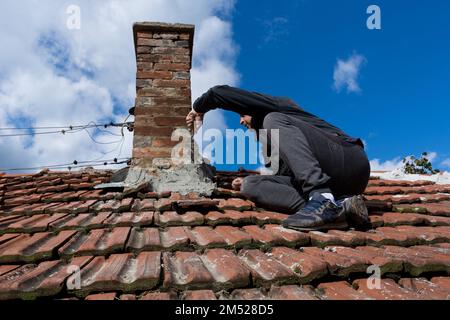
x=422, y=165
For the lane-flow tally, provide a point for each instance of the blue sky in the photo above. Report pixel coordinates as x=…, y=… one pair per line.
x=290, y=48
x=390, y=87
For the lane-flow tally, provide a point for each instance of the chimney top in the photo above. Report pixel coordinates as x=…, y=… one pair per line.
x=164, y=27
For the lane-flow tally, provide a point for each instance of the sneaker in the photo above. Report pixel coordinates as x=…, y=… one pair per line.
x=319, y=213
x=355, y=210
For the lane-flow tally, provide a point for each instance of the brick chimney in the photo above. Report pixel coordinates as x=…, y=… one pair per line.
x=163, y=99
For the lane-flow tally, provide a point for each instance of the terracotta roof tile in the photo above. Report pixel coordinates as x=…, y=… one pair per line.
x=122, y=272
x=169, y=246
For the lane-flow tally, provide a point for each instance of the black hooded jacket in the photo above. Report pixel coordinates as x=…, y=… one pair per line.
x=258, y=105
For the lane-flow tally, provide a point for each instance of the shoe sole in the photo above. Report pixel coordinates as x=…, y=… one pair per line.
x=356, y=210
x=328, y=226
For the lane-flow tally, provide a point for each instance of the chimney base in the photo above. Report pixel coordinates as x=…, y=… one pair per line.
x=183, y=179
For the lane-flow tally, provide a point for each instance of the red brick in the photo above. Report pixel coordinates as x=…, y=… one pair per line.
x=389, y=290
x=307, y=267
x=39, y=246
x=185, y=270
x=265, y=269
x=154, y=75
x=425, y=289
x=31, y=281
x=172, y=218
x=199, y=295
x=234, y=236
x=121, y=272
x=206, y=237
x=144, y=240
x=292, y=292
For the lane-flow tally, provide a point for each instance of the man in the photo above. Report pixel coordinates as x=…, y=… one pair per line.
x=323, y=171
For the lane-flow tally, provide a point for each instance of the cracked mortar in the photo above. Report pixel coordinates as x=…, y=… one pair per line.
x=184, y=179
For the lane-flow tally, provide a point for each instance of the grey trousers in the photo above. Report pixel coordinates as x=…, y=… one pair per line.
x=318, y=162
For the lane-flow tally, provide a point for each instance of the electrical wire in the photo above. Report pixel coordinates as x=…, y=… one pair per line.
x=67, y=129
x=74, y=164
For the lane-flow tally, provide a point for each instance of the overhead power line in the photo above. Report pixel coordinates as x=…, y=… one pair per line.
x=74, y=164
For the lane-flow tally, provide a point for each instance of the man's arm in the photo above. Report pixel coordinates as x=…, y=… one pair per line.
x=237, y=100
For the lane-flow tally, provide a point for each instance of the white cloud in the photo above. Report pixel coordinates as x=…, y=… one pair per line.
x=396, y=163
x=346, y=73
x=446, y=163
x=377, y=165
x=50, y=75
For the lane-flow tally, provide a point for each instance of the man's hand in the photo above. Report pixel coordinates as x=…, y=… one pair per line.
x=192, y=117
x=237, y=184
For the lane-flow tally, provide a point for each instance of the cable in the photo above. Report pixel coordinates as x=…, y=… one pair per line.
x=111, y=124
x=74, y=164
x=68, y=129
